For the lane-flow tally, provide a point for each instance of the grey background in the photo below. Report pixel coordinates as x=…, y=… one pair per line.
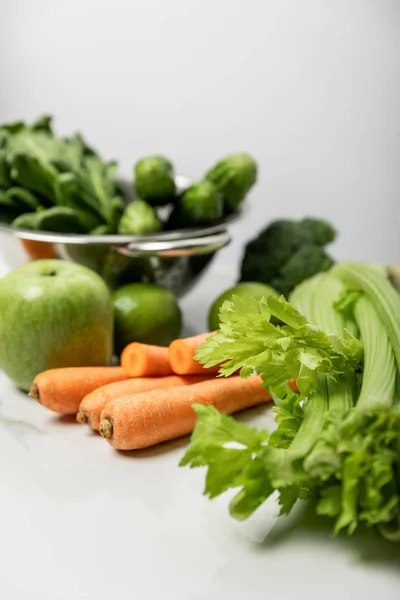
x=310, y=87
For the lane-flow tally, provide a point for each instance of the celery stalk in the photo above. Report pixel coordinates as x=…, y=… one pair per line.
x=383, y=296
x=379, y=377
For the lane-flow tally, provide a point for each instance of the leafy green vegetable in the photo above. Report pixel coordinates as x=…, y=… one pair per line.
x=139, y=218
x=59, y=219
x=65, y=172
x=233, y=177
x=154, y=180
x=102, y=230
x=26, y=221
x=98, y=180
x=247, y=340
x=33, y=174
x=200, y=204
x=287, y=252
x=52, y=172
x=15, y=201
x=22, y=199
x=5, y=180
x=339, y=440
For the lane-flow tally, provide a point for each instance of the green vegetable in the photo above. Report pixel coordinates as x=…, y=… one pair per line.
x=358, y=449
x=58, y=219
x=102, y=230
x=298, y=349
x=249, y=289
x=26, y=221
x=139, y=218
x=57, y=172
x=339, y=440
x=233, y=177
x=116, y=212
x=16, y=201
x=5, y=180
x=287, y=252
x=200, y=204
x=377, y=288
x=34, y=174
x=154, y=180
x=20, y=199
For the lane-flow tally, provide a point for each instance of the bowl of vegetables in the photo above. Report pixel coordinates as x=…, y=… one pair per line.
x=62, y=200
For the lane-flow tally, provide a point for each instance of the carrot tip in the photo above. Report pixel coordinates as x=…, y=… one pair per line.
x=34, y=392
x=81, y=417
x=106, y=428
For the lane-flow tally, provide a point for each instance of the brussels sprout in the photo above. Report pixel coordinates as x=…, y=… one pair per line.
x=139, y=218
x=233, y=176
x=200, y=204
x=154, y=180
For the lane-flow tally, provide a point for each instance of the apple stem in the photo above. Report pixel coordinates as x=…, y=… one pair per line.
x=81, y=417
x=106, y=428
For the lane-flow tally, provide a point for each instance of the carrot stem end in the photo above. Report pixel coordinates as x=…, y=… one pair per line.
x=106, y=428
x=34, y=392
x=81, y=417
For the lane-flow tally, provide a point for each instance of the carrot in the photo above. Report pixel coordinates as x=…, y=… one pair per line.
x=63, y=389
x=141, y=420
x=293, y=385
x=141, y=360
x=181, y=355
x=92, y=404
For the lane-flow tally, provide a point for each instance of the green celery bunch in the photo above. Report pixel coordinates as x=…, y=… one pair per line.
x=248, y=340
x=339, y=439
x=358, y=456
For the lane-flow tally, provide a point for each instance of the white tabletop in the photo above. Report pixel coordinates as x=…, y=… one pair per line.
x=80, y=520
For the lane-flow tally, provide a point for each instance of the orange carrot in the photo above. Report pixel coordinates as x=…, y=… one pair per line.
x=92, y=404
x=143, y=360
x=142, y=420
x=62, y=390
x=181, y=355
x=293, y=385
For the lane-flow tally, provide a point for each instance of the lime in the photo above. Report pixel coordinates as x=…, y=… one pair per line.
x=247, y=288
x=147, y=313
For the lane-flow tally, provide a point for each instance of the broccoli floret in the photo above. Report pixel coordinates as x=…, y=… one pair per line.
x=287, y=252
x=316, y=231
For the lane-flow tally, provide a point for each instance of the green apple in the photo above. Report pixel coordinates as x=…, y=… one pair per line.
x=53, y=313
